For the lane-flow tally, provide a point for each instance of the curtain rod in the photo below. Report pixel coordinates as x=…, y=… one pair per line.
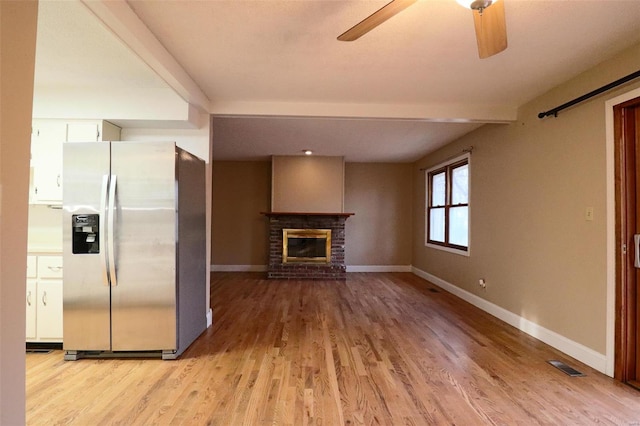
x=591, y=94
x=464, y=151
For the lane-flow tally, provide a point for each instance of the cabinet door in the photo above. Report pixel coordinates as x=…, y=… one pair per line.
x=32, y=266
x=49, y=322
x=31, y=309
x=46, y=154
x=83, y=132
x=50, y=267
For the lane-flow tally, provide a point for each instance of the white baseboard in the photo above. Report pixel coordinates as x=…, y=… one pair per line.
x=209, y=318
x=576, y=350
x=379, y=268
x=239, y=268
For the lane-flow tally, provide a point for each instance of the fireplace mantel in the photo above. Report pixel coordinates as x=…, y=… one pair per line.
x=269, y=214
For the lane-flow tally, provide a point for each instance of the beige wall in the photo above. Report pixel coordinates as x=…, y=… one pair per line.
x=308, y=184
x=531, y=182
x=17, y=49
x=380, y=196
x=241, y=190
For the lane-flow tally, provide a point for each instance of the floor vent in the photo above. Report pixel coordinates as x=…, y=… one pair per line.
x=39, y=351
x=566, y=369
x=433, y=290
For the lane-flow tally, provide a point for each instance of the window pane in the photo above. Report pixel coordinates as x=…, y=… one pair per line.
x=459, y=226
x=436, y=225
x=438, y=189
x=460, y=185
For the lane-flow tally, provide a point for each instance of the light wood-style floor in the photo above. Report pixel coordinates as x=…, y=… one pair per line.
x=387, y=349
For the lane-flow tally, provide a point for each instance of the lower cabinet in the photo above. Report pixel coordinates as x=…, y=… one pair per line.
x=44, y=299
x=31, y=309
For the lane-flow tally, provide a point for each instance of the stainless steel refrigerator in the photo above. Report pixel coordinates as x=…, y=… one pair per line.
x=134, y=249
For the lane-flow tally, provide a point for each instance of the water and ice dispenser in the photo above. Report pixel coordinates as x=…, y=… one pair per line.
x=86, y=233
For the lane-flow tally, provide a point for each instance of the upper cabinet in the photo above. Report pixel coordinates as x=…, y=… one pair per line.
x=47, y=138
x=82, y=131
x=46, y=160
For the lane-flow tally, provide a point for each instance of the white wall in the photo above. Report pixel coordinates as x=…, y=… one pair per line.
x=17, y=50
x=115, y=104
x=196, y=141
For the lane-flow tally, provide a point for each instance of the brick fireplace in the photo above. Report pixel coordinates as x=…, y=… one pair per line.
x=306, y=224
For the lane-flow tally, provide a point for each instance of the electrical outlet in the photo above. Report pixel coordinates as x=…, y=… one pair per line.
x=482, y=283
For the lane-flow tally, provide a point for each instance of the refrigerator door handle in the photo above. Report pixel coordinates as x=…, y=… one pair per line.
x=103, y=228
x=110, y=230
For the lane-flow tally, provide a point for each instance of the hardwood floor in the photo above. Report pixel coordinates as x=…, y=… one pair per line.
x=386, y=348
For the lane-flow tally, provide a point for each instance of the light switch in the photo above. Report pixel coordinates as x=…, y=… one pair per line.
x=588, y=214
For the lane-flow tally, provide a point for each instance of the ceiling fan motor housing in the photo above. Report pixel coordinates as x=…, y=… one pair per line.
x=480, y=5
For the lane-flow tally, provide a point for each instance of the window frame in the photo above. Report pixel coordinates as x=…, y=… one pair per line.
x=447, y=167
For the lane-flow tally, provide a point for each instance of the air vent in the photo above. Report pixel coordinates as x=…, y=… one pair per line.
x=39, y=351
x=566, y=369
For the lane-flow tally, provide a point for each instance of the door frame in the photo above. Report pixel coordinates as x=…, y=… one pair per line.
x=611, y=227
x=627, y=214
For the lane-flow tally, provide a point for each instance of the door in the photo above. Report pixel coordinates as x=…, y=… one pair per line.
x=627, y=139
x=144, y=289
x=86, y=312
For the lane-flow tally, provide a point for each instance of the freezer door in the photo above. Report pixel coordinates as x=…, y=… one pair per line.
x=143, y=293
x=86, y=304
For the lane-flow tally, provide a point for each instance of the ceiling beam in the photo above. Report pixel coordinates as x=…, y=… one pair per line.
x=441, y=112
x=123, y=22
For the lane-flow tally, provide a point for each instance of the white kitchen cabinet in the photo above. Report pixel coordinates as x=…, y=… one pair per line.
x=46, y=159
x=47, y=138
x=32, y=266
x=44, y=300
x=32, y=273
x=83, y=131
x=31, y=310
x=49, y=311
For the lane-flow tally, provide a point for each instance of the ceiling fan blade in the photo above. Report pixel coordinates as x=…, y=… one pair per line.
x=377, y=18
x=491, y=29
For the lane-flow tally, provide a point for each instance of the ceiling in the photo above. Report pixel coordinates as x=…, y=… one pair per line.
x=277, y=81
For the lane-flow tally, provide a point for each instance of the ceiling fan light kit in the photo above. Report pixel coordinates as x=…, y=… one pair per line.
x=488, y=17
x=478, y=5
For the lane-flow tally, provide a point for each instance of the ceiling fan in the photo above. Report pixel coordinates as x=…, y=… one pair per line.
x=488, y=18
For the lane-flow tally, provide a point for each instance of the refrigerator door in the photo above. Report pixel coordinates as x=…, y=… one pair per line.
x=143, y=293
x=86, y=299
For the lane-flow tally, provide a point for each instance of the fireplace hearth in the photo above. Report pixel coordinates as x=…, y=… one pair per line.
x=307, y=245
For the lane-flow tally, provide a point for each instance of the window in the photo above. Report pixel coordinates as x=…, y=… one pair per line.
x=447, y=221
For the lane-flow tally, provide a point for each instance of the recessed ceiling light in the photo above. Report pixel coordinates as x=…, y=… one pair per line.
x=307, y=152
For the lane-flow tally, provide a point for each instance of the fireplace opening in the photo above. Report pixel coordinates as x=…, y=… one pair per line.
x=306, y=245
